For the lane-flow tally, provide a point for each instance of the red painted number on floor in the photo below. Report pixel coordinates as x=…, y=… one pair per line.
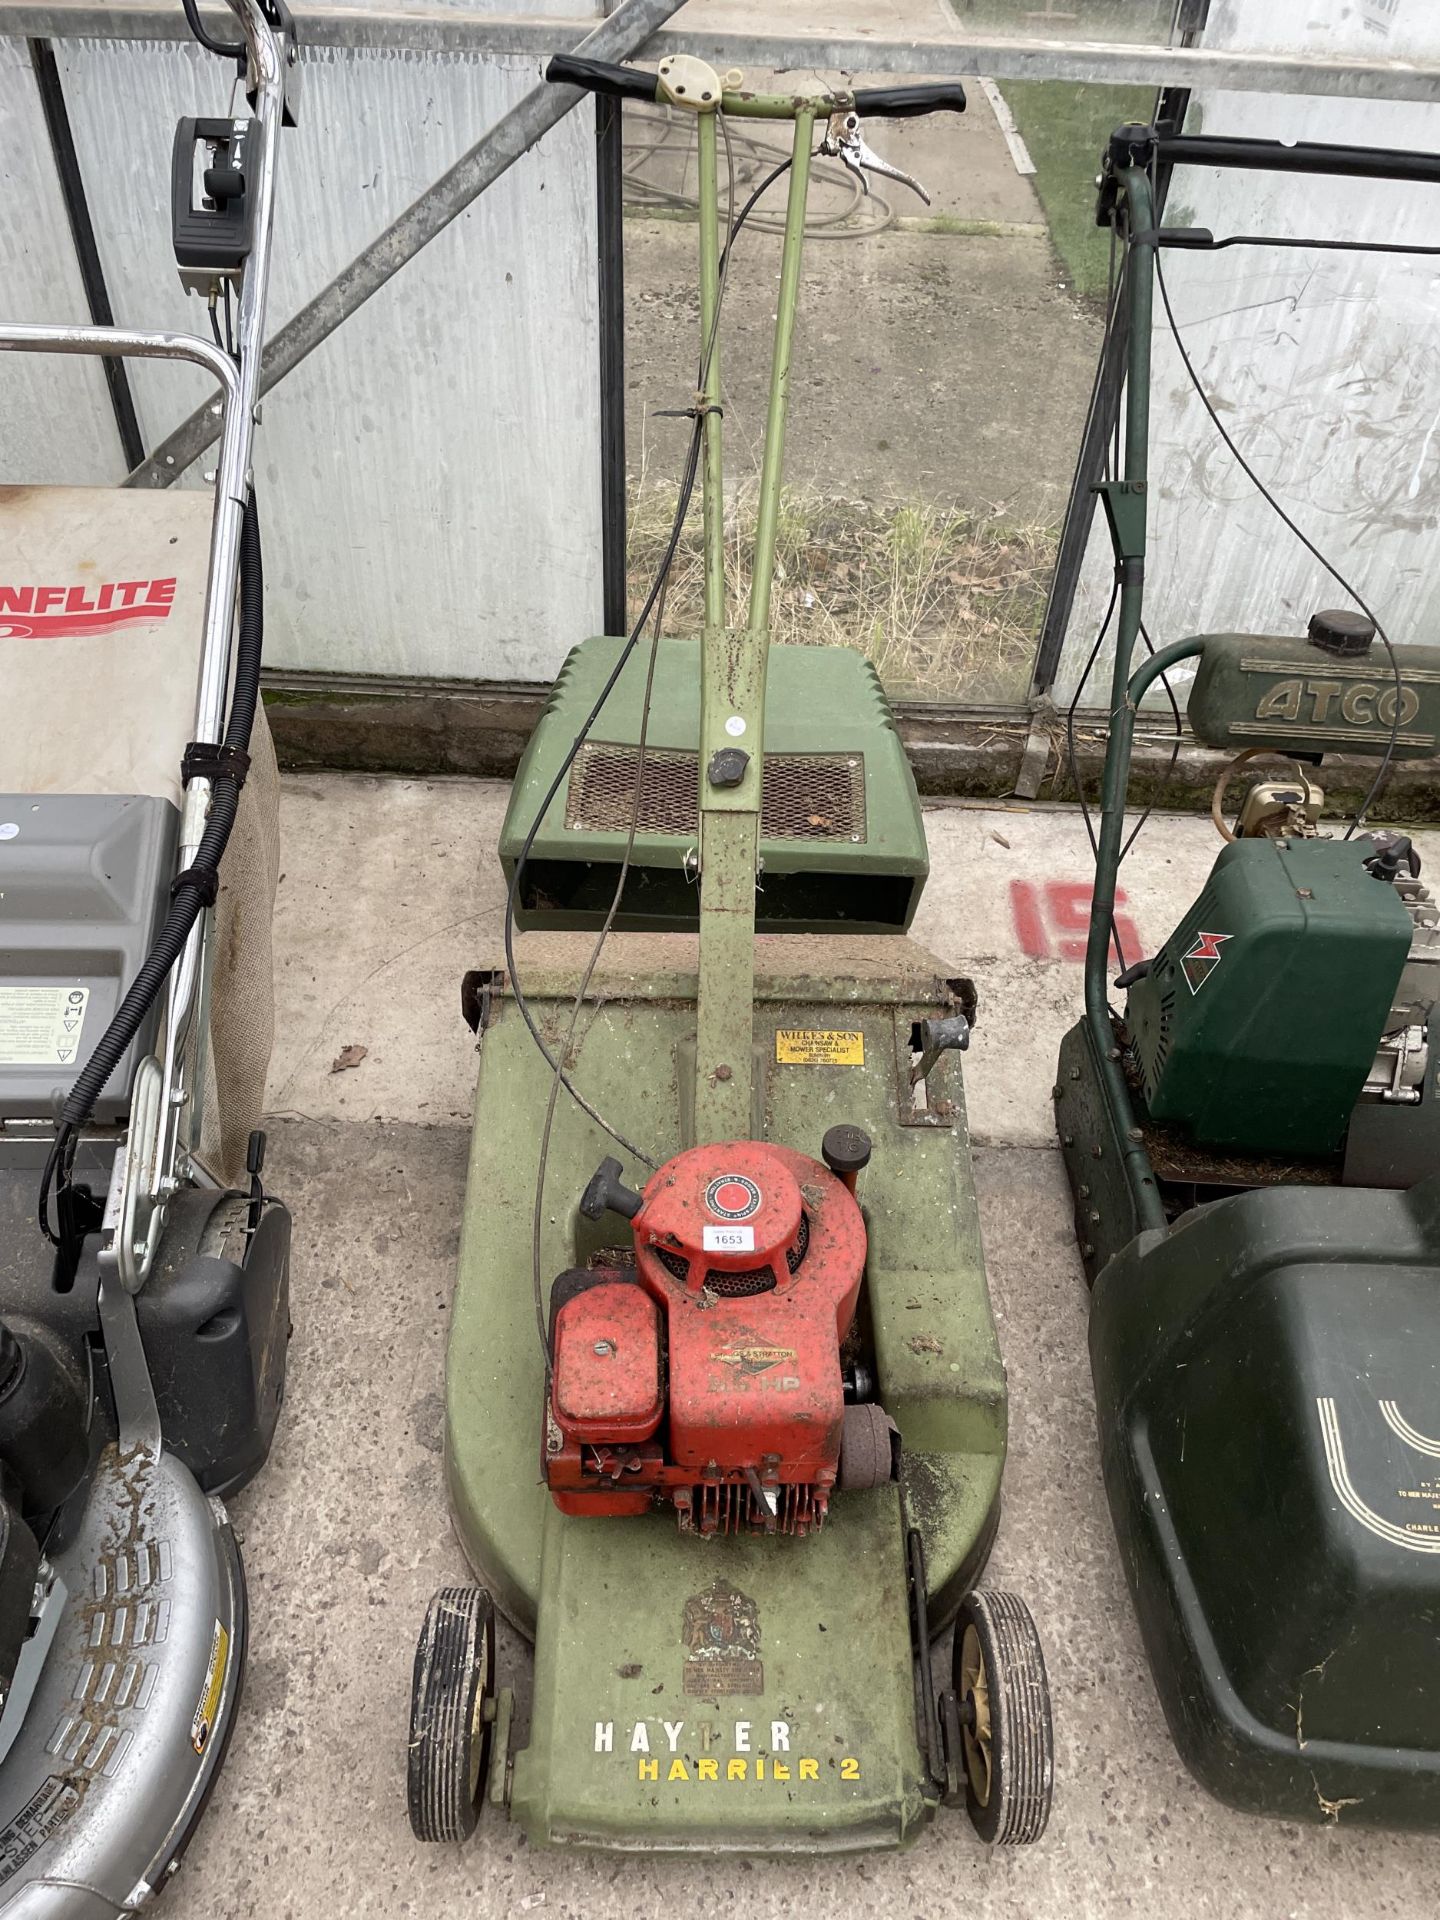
x=1052, y=919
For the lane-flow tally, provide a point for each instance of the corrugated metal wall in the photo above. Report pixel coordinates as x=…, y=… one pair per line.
x=56, y=422
x=1324, y=366
x=430, y=476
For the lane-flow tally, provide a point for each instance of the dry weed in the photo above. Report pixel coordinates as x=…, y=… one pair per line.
x=945, y=602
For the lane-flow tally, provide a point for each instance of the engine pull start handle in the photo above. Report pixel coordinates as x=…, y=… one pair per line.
x=608, y=1193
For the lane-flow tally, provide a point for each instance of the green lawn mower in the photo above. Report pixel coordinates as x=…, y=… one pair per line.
x=1253, y=1148
x=726, y=1440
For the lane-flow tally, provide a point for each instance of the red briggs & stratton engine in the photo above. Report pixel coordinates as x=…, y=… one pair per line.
x=709, y=1374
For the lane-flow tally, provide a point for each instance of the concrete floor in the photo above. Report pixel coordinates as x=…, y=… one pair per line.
x=391, y=889
x=915, y=350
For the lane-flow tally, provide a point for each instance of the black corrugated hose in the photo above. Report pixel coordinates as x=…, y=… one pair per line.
x=192, y=891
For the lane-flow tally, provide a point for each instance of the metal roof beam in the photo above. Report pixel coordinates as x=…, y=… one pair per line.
x=1005, y=57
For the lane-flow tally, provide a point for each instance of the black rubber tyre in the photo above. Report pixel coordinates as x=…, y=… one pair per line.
x=453, y=1684
x=868, y=1441
x=1009, y=1750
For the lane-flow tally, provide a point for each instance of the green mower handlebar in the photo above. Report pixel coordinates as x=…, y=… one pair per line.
x=889, y=103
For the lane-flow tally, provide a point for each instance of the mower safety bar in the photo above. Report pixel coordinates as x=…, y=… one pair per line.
x=599, y=76
x=1306, y=156
x=908, y=103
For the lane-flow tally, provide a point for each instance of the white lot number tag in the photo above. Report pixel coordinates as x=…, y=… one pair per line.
x=727, y=1239
x=41, y=1026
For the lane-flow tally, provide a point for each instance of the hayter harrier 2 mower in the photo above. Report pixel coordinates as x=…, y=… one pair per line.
x=1254, y=1153
x=725, y=1436
x=143, y=1320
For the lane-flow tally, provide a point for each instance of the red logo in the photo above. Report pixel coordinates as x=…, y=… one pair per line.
x=52, y=613
x=732, y=1196
x=1197, y=963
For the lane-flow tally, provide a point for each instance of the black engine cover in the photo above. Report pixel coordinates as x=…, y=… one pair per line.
x=214, y=1319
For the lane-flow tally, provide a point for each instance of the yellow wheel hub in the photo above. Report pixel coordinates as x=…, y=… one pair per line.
x=977, y=1737
x=479, y=1715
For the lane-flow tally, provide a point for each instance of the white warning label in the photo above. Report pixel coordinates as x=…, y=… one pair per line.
x=41, y=1026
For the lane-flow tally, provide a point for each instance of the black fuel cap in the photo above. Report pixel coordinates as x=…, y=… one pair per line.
x=846, y=1149
x=727, y=767
x=1341, y=631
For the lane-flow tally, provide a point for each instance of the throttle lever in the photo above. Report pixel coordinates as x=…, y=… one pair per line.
x=844, y=141
x=1392, y=851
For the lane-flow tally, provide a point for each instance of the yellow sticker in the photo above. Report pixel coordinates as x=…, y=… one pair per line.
x=809, y=1047
x=203, y=1725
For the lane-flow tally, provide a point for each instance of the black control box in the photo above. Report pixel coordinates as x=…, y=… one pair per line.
x=212, y=208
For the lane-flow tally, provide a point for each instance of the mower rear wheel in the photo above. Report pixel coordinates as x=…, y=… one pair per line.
x=452, y=1697
x=1004, y=1702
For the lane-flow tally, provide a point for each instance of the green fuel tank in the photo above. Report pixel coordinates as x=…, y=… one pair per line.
x=1332, y=690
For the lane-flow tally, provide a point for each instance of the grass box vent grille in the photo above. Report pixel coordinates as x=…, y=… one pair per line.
x=842, y=843
x=810, y=796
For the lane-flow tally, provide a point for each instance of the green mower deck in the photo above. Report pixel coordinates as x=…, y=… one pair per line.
x=748, y=1694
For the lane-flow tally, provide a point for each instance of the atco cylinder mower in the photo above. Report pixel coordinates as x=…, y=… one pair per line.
x=725, y=1410
x=1252, y=1146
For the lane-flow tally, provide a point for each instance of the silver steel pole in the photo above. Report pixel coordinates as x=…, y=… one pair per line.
x=626, y=30
x=232, y=479
x=121, y=343
x=268, y=54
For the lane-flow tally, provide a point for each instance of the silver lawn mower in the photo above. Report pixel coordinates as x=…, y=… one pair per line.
x=144, y=1315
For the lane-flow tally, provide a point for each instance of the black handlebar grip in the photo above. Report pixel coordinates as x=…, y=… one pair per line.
x=598, y=76
x=907, y=103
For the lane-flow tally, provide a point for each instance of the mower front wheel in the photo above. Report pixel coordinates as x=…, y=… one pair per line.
x=1003, y=1699
x=452, y=1699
